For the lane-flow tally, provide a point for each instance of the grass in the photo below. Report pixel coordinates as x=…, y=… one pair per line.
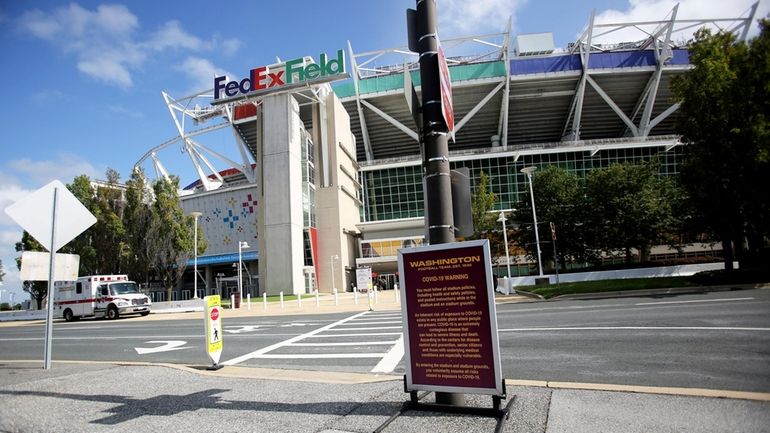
x=609, y=286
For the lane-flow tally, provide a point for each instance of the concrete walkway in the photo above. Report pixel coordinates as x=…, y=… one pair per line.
x=96, y=397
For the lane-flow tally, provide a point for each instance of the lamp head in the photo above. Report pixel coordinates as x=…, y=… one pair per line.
x=501, y=218
x=196, y=214
x=528, y=170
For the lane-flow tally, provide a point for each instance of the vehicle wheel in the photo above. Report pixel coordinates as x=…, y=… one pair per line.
x=145, y=313
x=68, y=316
x=112, y=312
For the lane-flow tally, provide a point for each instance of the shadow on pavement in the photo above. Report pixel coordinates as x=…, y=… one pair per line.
x=127, y=408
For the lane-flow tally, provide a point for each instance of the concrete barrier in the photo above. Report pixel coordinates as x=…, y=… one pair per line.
x=177, y=306
x=9, y=316
x=656, y=272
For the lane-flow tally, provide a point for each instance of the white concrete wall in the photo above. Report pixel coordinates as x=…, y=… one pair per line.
x=663, y=271
x=337, y=211
x=280, y=225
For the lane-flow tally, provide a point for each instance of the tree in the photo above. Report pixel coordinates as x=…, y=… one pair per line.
x=559, y=199
x=2, y=271
x=724, y=107
x=630, y=208
x=108, y=234
x=169, y=234
x=102, y=247
x=36, y=289
x=482, y=202
x=137, y=218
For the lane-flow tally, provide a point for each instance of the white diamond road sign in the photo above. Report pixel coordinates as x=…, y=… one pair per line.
x=34, y=214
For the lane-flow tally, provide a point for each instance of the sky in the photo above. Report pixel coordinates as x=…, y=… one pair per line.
x=82, y=79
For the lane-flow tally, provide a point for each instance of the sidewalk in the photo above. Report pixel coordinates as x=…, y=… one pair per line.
x=95, y=397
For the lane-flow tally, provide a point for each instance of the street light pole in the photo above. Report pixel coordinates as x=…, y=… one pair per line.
x=195, y=215
x=528, y=171
x=505, y=241
x=241, y=245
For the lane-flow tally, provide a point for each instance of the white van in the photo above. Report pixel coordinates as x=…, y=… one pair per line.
x=109, y=296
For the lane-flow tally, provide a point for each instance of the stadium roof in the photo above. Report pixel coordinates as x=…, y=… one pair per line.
x=515, y=92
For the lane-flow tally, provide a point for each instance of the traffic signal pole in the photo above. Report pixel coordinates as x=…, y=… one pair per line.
x=438, y=185
x=437, y=177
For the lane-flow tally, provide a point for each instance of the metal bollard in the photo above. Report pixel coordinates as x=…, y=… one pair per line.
x=232, y=301
x=248, y=301
x=264, y=301
x=370, y=297
x=299, y=300
x=281, y=300
x=355, y=295
x=376, y=295
x=336, y=298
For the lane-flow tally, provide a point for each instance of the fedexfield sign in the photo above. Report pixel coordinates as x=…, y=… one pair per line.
x=268, y=79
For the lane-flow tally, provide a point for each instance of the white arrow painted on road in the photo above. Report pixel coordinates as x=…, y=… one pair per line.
x=166, y=346
x=242, y=329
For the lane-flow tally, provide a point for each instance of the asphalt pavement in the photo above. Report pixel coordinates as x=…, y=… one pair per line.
x=117, y=397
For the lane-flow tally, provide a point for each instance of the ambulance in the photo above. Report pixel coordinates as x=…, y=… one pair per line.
x=109, y=296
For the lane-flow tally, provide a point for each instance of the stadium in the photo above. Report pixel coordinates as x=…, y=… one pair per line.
x=327, y=175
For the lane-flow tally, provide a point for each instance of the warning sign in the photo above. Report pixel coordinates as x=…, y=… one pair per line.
x=451, y=325
x=213, y=327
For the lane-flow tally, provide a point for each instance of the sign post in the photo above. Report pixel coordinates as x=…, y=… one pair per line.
x=53, y=216
x=450, y=337
x=364, y=279
x=213, y=320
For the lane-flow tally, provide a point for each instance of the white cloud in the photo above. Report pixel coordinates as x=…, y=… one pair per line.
x=659, y=10
x=108, y=69
x=47, y=96
x=231, y=46
x=463, y=18
x=201, y=72
x=172, y=35
x=125, y=112
x=38, y=173
x=105, y=43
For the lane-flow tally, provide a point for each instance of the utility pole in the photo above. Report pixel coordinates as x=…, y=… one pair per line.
x=434, y=137
x=438, y=184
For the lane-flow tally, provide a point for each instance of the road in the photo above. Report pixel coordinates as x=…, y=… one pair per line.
x=719, y=340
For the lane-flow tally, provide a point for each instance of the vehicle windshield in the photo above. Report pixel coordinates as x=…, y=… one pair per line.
x=123, y=288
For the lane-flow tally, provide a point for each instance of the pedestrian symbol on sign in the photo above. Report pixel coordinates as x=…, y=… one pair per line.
x=213, y=329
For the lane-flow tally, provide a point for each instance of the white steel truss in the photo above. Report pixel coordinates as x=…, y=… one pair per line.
x=658, y=36
x=194, y=116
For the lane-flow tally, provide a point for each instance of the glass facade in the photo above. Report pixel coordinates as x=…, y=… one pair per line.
x=387, y=247
x=394, y=193
x=308, y=181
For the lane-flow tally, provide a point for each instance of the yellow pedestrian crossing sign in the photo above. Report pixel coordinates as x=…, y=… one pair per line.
x=213, y=327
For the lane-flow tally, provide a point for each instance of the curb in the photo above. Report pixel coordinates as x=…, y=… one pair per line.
x=638, y=389
x=651, y=292
x=340, y=378
x=530, y=295
x=237, y=372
